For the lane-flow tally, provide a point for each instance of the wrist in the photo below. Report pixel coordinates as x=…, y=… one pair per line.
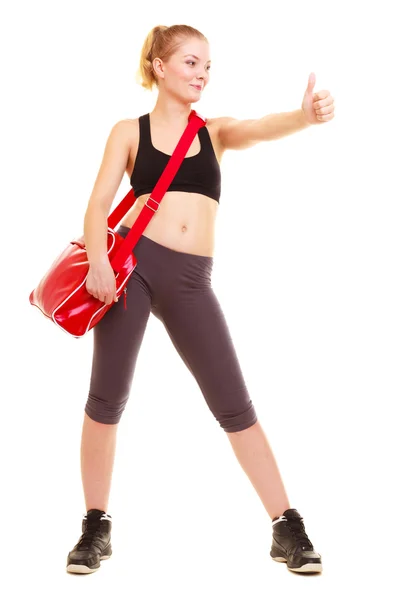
x=303, y=119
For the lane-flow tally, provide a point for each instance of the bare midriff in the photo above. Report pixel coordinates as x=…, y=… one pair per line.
x=184, y=222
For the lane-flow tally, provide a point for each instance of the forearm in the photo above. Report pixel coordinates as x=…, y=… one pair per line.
x=278, y=125
x=95, y=234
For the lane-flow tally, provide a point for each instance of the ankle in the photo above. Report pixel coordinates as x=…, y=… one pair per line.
x=281, y=512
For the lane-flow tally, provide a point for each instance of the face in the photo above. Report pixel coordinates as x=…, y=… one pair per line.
x=187, y=71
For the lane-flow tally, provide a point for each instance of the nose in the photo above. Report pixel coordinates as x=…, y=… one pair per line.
x=200, y=77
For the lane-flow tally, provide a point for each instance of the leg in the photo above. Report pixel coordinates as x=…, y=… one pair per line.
x=198, y=330
x=97, y=460
x=254, y=454
x=116, y=343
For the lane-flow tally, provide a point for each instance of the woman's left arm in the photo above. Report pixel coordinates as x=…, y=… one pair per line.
x=316, y=108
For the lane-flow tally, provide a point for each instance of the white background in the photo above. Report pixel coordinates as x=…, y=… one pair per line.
x=306, y=270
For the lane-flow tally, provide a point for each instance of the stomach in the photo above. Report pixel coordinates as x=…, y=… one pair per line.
x=184, y=222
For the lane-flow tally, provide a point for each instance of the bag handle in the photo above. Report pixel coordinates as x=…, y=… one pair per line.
x=152, y=204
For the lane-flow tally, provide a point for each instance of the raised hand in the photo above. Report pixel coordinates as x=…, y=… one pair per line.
x=318, y=107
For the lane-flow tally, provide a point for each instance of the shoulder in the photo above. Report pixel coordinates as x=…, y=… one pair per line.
x=124, y=133
x=129, y=122
x=217, y=123
x=126, y=128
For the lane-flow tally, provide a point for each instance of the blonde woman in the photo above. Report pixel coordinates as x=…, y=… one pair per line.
x=172, y=281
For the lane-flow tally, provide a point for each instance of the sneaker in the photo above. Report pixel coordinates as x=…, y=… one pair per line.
x=94, y=544
x=291, y=544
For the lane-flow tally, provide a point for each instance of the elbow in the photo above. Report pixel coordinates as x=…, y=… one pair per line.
x=96, y=207
x=95, y=214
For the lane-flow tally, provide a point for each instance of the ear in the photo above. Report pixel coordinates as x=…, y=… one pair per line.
x=158, y=67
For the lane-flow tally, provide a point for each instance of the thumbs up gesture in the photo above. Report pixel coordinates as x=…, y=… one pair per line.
x=318, y=107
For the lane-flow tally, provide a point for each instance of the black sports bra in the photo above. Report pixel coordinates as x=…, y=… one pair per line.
x=199, y=173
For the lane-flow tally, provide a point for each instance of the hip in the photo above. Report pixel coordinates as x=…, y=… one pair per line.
x=163, y=269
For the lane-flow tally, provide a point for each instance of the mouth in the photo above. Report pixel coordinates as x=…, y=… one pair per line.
x=198, y=87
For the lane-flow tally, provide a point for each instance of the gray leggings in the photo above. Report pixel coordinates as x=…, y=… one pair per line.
x=176, y=288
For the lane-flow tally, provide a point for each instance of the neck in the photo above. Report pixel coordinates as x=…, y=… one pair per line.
x=170, y=112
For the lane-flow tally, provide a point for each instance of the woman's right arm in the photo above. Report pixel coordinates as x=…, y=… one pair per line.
x=101, y=279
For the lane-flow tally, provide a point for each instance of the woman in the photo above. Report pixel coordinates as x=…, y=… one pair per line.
x=172, y=280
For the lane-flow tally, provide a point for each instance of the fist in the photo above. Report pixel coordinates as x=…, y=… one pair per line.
x=318, y=107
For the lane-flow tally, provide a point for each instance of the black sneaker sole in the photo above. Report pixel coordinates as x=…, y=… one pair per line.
x=307, y=568
x=77, y=568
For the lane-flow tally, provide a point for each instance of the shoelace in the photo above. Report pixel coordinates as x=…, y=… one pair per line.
x=298, y=532
x=86, y=539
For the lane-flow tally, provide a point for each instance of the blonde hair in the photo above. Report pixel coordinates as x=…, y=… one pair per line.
x=161, y=42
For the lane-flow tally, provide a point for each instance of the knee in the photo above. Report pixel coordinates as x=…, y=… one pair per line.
x=240, y=421
x=105, y=410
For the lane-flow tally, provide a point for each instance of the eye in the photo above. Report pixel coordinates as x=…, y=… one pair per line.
x=192, y=62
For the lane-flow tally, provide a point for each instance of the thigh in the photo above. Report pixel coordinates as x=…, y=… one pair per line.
x=198, y=329
x=116, y=343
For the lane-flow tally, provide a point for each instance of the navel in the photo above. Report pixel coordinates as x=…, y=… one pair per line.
x=184, y=228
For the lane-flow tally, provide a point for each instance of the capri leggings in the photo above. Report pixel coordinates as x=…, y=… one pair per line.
x=176, y=288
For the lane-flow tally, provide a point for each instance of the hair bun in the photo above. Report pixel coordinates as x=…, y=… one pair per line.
x=159, y=28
